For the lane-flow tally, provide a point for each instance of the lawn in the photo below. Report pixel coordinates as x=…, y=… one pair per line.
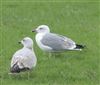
x=75, y=19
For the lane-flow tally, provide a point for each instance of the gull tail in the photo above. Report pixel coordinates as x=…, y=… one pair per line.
x=16, y=69
x=79, y=47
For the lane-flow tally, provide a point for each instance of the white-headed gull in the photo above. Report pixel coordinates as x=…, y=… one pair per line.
x=24, y=59
x=51, y=42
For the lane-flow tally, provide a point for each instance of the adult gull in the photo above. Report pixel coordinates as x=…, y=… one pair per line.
x=51, y=42
x=24, y=59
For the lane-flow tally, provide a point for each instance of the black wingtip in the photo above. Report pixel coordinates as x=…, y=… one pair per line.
x=80, y=46
x=15, y=69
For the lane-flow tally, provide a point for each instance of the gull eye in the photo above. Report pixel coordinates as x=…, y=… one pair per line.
x=23, y=39
x=41, y=28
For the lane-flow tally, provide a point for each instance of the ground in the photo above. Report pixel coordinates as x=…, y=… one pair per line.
x=78, y=20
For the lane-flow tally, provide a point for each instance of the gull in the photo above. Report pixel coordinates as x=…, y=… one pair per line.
x=25, y=58
x=51, y=42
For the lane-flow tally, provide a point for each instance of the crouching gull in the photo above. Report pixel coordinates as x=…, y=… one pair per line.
x=24, y=59
x=51, y=42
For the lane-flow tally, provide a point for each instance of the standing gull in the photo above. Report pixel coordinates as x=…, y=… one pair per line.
x=51, y=42
x=24, y=59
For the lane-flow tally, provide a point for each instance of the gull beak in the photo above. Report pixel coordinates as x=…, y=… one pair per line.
x=34, y=30
x=19, y=42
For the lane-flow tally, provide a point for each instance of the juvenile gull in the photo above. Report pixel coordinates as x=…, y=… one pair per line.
x=24, y=59
x=51, y=42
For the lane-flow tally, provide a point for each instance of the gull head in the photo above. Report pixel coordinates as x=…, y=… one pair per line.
x=42, y=29
x=27, y=42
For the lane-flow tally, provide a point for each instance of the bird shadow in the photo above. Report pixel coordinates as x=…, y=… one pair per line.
x=18, y=76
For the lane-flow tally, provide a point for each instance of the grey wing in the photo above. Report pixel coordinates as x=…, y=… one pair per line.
x=24, y=58
x=57, y=42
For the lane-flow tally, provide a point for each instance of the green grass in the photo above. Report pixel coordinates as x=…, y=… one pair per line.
x=77, y=20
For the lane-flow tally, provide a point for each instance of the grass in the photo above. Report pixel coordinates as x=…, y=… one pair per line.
x=77, y=20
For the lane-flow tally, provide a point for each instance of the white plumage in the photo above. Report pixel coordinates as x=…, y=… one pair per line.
x=24, y=59
x=51, y=42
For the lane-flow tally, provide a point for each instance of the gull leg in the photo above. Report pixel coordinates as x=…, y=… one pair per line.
x=47, y=54
x=57, y=54
x=50, y=55
x=28, y=75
